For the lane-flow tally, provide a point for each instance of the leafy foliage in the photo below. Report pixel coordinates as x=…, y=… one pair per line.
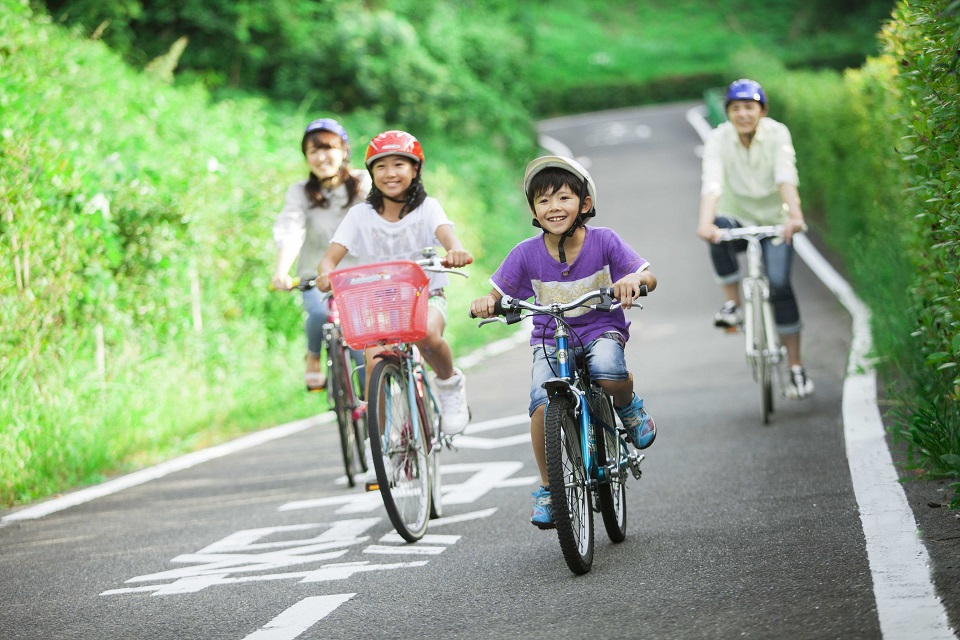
x=925, y=40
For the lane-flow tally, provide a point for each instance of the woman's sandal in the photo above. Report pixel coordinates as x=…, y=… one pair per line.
x=315, y=381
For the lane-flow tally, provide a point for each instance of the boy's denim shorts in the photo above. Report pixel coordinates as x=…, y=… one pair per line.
x=605, y=360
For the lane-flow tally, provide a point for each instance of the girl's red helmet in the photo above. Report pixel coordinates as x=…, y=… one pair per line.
x=394, y=143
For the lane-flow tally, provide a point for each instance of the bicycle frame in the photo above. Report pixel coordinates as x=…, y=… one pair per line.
x=756, y=286
x=762, y=347
x=568, y=382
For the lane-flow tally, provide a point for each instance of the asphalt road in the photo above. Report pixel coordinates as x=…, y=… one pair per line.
x=735, y=530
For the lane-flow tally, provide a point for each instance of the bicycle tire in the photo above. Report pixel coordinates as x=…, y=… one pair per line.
x=764, y=374
x=337, y=394
x=405, y=485
x=358, y=418
x=432, y=423
x=611, y=490
x=572, y=511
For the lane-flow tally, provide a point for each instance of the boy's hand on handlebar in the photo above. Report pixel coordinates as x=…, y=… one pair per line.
x=483, y=307
x=633, y=286
x=457, y=258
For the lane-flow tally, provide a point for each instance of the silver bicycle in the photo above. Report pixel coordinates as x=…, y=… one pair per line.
x=763, y=349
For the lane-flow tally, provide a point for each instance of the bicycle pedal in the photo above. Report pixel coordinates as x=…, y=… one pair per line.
x=372, y=486
x=731, y=330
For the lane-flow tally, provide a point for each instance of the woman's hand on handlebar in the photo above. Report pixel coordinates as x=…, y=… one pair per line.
x=709, y=232
x=282, y=282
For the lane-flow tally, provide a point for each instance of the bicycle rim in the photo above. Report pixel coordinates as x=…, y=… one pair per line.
x=337, y=394
x=570, y=496
x=612, y=491
x=399, y=454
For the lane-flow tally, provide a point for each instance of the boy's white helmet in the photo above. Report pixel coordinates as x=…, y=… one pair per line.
x=545, y=162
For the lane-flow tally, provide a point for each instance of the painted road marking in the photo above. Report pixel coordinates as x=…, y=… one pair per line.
x=291, y=552
x=300, y=617
x=485, y=476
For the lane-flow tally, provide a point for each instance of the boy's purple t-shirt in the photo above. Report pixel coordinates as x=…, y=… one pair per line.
x=530, y=271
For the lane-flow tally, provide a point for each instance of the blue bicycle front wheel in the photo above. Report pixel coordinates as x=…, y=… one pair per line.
x=569, y=485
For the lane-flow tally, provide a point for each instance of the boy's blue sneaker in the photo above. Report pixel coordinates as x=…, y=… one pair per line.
x=638, y=422
x=542, y=514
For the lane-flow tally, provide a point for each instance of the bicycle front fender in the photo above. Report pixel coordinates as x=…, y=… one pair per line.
x=556, y=387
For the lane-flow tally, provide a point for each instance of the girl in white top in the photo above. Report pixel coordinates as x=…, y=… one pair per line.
x=395, y=223
x=312, y=211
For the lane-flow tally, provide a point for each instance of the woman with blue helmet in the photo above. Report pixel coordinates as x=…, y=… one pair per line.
x=311, y=212
x=750, y=178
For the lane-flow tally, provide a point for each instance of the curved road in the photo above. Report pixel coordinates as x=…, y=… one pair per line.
x=735, y=530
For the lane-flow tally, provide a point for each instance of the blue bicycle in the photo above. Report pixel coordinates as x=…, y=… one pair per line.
x=587, y=455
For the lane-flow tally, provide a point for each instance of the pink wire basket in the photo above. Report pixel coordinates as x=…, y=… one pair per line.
x=383, y=302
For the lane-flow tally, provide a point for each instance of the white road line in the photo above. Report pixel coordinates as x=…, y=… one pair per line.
x=907, y=603
x=162, y=469
x=300, y=617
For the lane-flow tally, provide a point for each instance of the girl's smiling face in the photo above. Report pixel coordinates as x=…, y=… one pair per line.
x=393, y=175
x=557, y=211
x=325, y=154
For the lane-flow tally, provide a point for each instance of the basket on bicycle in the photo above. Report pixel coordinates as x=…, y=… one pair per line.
x=381, y=302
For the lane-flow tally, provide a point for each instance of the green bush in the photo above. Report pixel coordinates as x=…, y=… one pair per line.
x=924, y=38
x=136, y=235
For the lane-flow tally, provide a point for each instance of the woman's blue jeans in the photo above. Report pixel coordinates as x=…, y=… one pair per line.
x=777, y=259
x=318, y=314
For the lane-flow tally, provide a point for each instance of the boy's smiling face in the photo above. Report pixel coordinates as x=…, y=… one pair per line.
x=557, y=211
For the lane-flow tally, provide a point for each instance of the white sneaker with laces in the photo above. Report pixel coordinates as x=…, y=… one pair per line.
x=799, y=386
x=729, y=316
x=452, y=395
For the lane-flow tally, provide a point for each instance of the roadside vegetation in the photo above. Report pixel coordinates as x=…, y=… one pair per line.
x=141, y=173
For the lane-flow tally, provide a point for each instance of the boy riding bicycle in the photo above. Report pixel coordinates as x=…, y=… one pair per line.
x=750, y=178
x=567, y=259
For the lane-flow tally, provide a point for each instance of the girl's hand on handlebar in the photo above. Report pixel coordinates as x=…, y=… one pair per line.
x=457, y=258
x=323, y=282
